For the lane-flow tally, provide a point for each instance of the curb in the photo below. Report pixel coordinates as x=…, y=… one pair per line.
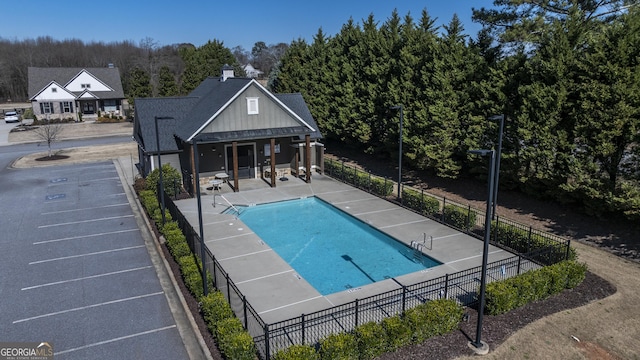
x=156, y=252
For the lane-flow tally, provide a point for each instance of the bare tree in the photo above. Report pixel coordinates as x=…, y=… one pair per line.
x=49, y=133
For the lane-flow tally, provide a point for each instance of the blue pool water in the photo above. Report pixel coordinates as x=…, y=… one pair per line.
x=330, y=249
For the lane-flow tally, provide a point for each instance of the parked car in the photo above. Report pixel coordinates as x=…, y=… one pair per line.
x=11, y=116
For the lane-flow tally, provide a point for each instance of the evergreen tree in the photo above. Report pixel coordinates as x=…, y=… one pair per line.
x=167, y=83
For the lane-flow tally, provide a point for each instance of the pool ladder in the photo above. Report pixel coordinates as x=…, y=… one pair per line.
x=420, y=246
x=235, y=209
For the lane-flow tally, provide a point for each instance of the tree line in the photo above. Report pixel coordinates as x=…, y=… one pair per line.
x=565, y=73
x=146, y=68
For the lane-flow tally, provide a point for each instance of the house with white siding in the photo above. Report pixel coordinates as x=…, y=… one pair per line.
x=75, y=93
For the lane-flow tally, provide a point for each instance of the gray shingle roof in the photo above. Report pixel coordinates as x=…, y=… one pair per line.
x=40, y=77
x=192, y=112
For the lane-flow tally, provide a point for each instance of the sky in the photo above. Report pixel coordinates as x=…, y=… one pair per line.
x=197, y=21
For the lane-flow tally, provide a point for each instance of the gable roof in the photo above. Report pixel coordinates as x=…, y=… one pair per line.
x=194, y=112
x=40, y=77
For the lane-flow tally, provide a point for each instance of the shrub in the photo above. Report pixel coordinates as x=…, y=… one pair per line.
x=506, y=295
x=426, y=205
x=433, y=318
x=169, y=176
x=341, y=346
x=397, y=332
x=214, y=309
x=371, y=339
x=526, y=241
x=459, y=217
x=191, y=275
x=359, y=178
x=234, y=341
x=297, y=352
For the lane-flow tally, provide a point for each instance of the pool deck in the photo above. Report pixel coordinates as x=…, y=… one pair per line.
x=273, y=288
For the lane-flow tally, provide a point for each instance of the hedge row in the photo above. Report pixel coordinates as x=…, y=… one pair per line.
x=526, y=241
x=359, y=178
x=233, y=341
x=426, y=205
x=506, y=295
x=372, y=339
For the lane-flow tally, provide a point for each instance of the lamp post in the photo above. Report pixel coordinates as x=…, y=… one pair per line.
x=155, y=119
x=399, y=153
x=479, y=346
x=201, y=229
x=499, y=118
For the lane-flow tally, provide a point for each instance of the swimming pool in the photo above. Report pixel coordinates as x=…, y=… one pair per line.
x=330, y=249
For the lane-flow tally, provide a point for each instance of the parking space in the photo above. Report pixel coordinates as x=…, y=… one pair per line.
x=75, y=270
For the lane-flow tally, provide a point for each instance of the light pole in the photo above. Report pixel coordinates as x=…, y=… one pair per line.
x=479, y=346
x=499, y=118
x=201, y=229
x=155, y=119
x=399, y=153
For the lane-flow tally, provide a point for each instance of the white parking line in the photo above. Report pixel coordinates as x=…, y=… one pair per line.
x=84, y=209
x=88, y=254
x=85, y=236
x=115, y=339
x=85, y=278
x=88, y=307
x=84, y=221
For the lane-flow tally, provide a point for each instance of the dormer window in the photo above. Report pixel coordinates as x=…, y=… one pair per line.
x=252, y=106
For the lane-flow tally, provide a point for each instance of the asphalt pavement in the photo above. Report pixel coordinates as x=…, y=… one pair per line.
x=80, y=269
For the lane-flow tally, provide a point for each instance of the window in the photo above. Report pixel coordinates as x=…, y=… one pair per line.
x=252, y=106
x=66, y=106
x=46, y=108
x=267, y=149
x=54, y=90
x=85, y=86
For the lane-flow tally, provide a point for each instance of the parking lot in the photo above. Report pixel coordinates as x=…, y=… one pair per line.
x=75, y=270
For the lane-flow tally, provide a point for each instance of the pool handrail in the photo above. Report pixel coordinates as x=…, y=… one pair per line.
x=225, y=199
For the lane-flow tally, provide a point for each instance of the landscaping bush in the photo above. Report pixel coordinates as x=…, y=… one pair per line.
x=506, y=295
x=297, y=352
x=433, y=318
x=343, y=346
x=234, y=342
x=459, y=217
x=425, y=205
x=169, y=176
x=526, y=241
x=359, y=178
x=191, y=275
x=371, y=339
x=214, y=308
x=397, y=332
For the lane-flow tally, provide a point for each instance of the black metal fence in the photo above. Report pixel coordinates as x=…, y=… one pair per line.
x=534, y=249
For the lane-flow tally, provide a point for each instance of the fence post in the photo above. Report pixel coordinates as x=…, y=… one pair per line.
x=468, y=216
x=244, y=309
x=369, y=186
x=342, y=172
x=384, y=192
x=303, y=325
x=566, y=257
x=404, y=299
x=422, y=201
x=497, y=228
x=266, y=341
x=356, y=313
x=446, y=286
x=529, y=240
x=519, y=261
x=444, y=204
x=228, y=289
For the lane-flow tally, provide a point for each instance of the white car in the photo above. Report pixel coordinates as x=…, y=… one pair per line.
x=11, y=116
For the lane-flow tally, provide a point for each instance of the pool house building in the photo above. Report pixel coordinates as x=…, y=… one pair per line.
x=229, y=128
